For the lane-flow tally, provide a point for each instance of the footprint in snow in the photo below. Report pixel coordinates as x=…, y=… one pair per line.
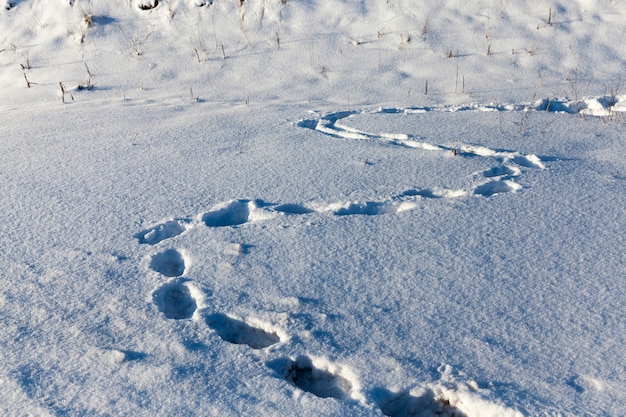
x=529, y=161
x=241, y=333
x=322, y=383
x=496, y=187
x=176, y=299
x=424, y=404
x=369, y=208
x=237, y=212
x=502, y=171
x=163, y=231
x=170, y=263
x=293, y=209
x=335, y=125
x=229, y=214
x=147, y=4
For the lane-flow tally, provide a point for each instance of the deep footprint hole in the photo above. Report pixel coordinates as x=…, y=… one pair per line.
x=370, y=208
x=293, y=209
x=170, y=263
x=174, y=300
x=234, y=214
x=425, y=404
x=495, y=187
x=147, y=4
x=500, y=172
x=241, y=333
x=304, y=375
x=160, y=232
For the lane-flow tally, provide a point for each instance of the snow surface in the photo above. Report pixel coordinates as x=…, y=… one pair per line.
x=304, y=207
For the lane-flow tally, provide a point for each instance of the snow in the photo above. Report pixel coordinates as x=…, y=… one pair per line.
x=302, y=208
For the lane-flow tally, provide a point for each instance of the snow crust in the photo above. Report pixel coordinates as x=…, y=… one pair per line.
x=301, y=208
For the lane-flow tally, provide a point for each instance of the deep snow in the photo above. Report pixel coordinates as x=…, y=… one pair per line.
x=256, y=209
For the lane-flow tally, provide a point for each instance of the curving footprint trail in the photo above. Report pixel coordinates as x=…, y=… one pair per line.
x=179, y=299
x=499, y=179
x=506, y=168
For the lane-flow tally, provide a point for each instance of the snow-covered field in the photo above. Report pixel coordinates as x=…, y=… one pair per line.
x=310, y=207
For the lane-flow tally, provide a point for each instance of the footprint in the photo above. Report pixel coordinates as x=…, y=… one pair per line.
x=231, y=214
x=170, y=263
x=304, y=375
x=240, y=333
x=370, y=208
x=147, y=4
x=425, y=404
x=529, y=161
x=236, y=212
x=118, y=356
x=293, y=209
x=588, y=383
x=575, y=382
x=162, y=231
x=175, y=299
x=502, y=171
x=496, y=187
x=434, y=193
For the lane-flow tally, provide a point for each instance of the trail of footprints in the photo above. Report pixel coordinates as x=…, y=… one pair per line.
x=497, y=180
x=178, y=298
